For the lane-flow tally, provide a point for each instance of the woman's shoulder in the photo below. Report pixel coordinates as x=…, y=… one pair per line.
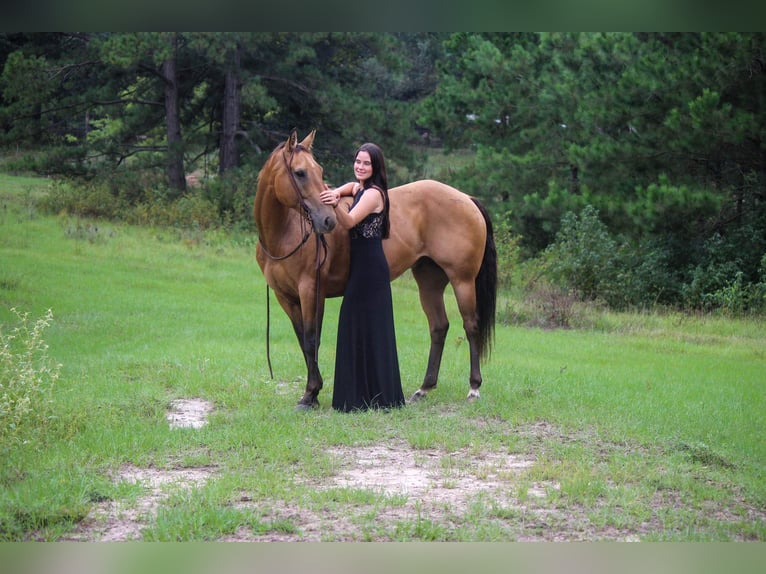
x=379, y=190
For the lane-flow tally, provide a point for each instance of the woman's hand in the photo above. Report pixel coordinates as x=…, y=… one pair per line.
x=330, y=197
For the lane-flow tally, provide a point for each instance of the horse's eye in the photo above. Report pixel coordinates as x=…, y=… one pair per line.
x=300, y=173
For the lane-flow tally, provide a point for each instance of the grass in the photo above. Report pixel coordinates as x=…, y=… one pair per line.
x=642, y=426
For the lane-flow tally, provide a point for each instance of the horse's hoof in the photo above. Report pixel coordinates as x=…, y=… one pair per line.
x=473, y=395
x=418, y=395
x=304, y=407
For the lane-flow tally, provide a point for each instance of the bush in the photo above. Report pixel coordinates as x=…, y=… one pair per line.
x=508, y=251
x=233, y=195
x=584, y=256
x=644, y=277
x=27, y=378
x=99, y=199
x=191, y=211
x=726, y=279
x=89, y=199
x=738, y=297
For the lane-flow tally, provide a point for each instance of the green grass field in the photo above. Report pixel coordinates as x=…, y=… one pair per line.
x=648, y=427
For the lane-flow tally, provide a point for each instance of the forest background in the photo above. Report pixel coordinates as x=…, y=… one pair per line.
x=627, y=169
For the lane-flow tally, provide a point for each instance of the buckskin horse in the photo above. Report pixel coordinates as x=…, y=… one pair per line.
x=441, y=234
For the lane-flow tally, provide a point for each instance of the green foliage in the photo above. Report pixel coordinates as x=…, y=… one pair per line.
x=588, y=260
x=27, y=378
x=661, y=209
x=662, y=133
x=508, y=251
x=24, y=92
x=233, y=195
x=722, y=285
x=88, y=199
x=736, y=297
x=124, y=198
x=192, y=211
x=583, y=257
x=645, y=277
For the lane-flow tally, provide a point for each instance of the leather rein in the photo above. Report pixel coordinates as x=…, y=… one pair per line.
x=320, y=260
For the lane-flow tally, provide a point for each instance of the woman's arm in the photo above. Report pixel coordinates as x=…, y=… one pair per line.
x=346, y=189
x=370, y=203
x=332, y=196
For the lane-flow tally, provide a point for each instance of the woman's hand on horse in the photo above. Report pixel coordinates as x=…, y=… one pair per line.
x=330, y=197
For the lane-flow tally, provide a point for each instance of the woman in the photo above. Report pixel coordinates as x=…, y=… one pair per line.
x=366, y=361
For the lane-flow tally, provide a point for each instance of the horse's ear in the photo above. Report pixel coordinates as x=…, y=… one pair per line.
x=308, y=141
x=292, y=141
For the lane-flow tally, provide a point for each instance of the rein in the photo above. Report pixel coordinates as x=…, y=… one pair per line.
x=320, y=260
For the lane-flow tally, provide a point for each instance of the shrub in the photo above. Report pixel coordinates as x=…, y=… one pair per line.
x=550, y=307
x=192, y=211
x=233, y=195
x=726, y=278
x=583, y=257
x=99, y=200
x=27, y=377
x=508, y=251
x=89, y=199
x=738, y=297
x=644, y=277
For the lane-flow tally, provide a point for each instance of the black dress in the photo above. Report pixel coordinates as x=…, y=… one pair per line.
x=366, y=362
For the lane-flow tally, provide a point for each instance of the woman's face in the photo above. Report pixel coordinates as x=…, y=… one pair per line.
x=363, y=166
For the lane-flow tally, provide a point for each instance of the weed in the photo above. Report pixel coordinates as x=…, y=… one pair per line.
x=27, y=377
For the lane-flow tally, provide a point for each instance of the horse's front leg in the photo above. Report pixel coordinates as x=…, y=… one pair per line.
x=304, y=325
x=314, y=381
x=311, y=318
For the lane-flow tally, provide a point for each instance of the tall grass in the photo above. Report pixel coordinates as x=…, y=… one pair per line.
x=647, y=424
x=27, y=379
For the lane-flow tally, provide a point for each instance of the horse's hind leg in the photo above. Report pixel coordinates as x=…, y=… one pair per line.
x=465, y=293
x=432, y=281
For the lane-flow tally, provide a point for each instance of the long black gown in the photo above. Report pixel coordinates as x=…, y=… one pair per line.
x=366, y=362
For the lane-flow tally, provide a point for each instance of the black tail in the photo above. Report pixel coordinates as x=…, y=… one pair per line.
x=486, y=288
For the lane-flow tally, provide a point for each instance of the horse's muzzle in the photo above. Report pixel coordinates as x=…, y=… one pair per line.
x=323, y=223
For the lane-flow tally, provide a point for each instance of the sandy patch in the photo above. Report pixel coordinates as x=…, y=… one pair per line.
x=112, y=521
x=432, y=478
x=188, y=413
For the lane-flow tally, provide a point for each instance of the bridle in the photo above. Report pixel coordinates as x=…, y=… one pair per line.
x=320, y=260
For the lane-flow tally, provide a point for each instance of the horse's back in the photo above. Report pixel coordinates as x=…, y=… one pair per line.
x=432, y=219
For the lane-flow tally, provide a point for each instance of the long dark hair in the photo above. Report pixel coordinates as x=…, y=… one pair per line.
x=378, y=179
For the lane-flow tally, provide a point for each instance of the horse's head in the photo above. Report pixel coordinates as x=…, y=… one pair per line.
x=301, y=183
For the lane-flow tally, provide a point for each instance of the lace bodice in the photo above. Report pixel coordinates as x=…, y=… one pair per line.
x=371, y=227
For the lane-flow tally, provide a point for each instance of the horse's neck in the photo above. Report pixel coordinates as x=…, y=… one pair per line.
x=272, y=219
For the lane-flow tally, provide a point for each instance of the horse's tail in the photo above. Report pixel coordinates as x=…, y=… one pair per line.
x=486, y=287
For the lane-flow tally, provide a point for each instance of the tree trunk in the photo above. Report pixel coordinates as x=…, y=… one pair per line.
x=229, y=149
x=175, y=154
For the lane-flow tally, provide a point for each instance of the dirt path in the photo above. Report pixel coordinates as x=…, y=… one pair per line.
x=421, y=476
x=112, y=521
x=428, y=485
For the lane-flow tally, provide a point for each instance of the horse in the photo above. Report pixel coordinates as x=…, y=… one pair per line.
x=438, y=232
